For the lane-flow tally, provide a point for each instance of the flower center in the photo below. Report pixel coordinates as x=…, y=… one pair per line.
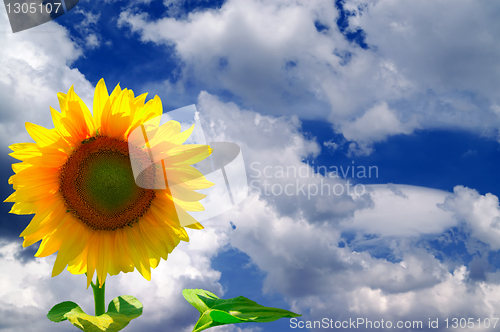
x=98, y=185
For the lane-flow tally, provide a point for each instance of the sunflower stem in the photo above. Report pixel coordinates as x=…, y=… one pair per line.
x=100, y=306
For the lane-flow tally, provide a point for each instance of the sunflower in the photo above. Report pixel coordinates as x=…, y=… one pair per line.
x=78, y=181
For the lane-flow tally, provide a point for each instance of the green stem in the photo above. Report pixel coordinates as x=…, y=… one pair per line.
x=100, y=307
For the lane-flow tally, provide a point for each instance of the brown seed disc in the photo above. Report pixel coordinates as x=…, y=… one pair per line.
x=98, y=185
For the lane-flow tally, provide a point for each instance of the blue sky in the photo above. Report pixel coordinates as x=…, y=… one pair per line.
x=357, y=83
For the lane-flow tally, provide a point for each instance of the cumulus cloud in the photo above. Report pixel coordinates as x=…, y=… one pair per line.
x=33, y=69
x=308, y=260
x=375, y=125
x=451, y=60
x=88, y=28
x=232, y=47
x=319, y=279
x=419, y=71
x=333, y=146
x=435, y=49
x=480, y=212
x=274, y=149
x=402, y=210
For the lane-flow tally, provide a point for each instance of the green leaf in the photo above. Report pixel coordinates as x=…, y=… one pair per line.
x=120, y=312
x=215, y=311
x=59, y=311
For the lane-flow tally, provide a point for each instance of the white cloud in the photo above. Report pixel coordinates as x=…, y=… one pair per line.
x=291, y=249
x=27, y=293
x=480, y=212
x=92, y=41
x=375, y=125
x=457, y=50
x=88, y=28
x=452, y=296
x=422, y=70
x=300, y=253
x=255, y=48
x=303, y=262
x=89, y=19
x=402, y=210
x=451, y=60
x=273, y=150
x=34, y=67
x=333, y=145
x=173, y=7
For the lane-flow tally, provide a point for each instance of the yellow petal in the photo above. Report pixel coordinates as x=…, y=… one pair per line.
x=185, y=154
x=153, y=240
x=52, y=242
x=168, y=235
x=92, y=254
x=24, y=150
x=36, y=176
x=23, y=208
x=79, y=264
x=163, y=209
x=47, y=137
x=72, y=246
x=114, y=267
x=183, y=136
x=189, y=206
x=164, y=133
x=77, y=119
x=115, y=121
x=34, y=194
x=53, y=210
x=183, y=174
x=124, y=259
x=138, y=251
x=180, y=192
x=101, y=96
x=164, y=214
x=195, y=226
x=62, y=97
x=12, y=198
x=80, y=109
x=48, y=157
x=56, y=119
x=20, y=166
x=103, y=258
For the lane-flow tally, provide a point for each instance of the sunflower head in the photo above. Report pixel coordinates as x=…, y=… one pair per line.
x=78, y=180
